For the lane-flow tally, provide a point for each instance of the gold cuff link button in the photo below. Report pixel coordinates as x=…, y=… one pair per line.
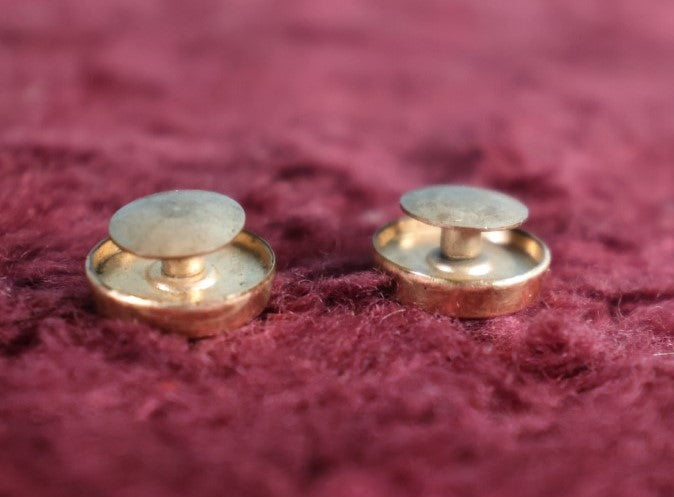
x=459, y=252
x=181, y=260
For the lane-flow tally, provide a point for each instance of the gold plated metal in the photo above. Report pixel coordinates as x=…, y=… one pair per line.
x=182, y=261
x=459, y=252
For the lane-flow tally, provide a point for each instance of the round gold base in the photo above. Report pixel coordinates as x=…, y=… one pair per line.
x=503, y=279
x=233, y=288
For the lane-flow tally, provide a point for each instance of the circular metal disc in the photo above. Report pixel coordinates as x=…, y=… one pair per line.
x=177, y=224
x=450, y=206
x=504, y=278
x=233, y=288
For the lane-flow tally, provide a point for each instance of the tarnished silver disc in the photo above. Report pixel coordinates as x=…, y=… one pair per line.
x=177, y=224
x=449, y=206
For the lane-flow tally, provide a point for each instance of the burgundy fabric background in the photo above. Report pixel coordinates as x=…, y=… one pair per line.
x=316, y=115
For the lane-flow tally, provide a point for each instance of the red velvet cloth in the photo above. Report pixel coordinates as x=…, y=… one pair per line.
x=316, y=115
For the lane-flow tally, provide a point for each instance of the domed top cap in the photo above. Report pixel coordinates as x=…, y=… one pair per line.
x=452, y=206
x=176, y=224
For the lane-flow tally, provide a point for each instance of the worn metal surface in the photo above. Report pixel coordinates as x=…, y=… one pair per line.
x=222, y=284
x=464, y=271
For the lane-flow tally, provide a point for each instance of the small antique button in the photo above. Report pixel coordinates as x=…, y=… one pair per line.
x=459, y=252
x=181, y=260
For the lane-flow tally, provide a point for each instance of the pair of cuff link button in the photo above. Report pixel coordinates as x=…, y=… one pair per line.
x=182, y=261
